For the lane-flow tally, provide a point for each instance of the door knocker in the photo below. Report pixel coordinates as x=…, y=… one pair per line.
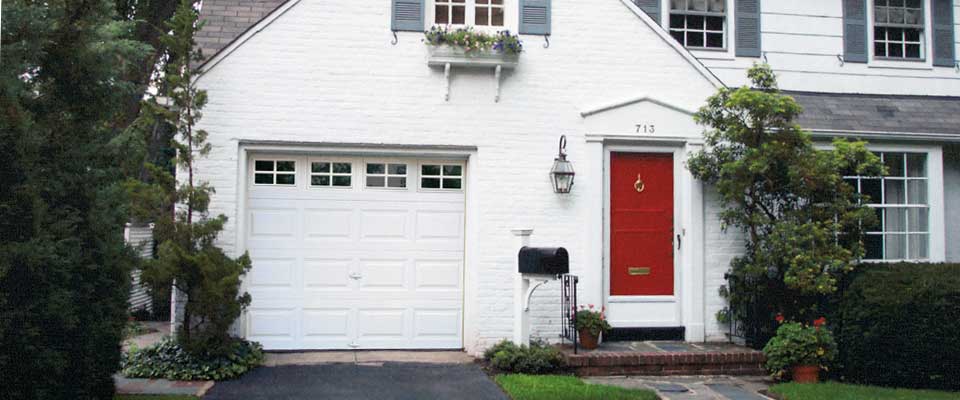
x=639, y=184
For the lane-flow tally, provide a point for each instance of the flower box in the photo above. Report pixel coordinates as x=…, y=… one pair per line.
x=441, y=55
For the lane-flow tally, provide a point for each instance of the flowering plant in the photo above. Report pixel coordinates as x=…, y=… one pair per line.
x=799, y=344
x=594, y=321
x=471, y=40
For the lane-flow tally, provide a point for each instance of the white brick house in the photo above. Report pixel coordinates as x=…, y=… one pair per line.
x=376, y=193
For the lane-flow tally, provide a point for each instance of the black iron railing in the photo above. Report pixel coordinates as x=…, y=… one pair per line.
x=568, y=311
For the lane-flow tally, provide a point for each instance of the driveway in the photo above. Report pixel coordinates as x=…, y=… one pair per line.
x=355, y=381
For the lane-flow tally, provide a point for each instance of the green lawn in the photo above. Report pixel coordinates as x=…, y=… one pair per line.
x=149, y=397
x=839, y=391
x=558, y=387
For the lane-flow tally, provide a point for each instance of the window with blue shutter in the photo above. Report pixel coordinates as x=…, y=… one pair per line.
x=855, y=31
x=943, y=40
x=748, y=28
x=535, y=17
x=407, y=15
x=651, y=7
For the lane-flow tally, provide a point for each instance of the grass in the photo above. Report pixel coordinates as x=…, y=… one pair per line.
x=558, y=387
x=153, y=397
x=839, y=391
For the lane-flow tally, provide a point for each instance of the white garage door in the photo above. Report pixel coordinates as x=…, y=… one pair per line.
x=354, y=253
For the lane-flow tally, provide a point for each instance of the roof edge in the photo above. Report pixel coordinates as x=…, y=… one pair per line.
x=251, y=31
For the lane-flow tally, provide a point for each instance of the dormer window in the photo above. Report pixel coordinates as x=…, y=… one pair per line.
x=480, y=13
x=699, y=24
x=898, y=29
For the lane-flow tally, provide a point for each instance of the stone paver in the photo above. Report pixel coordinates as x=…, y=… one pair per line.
x=693, y=387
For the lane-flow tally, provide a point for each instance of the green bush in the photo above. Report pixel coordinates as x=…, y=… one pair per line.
x=900, y=326
x=168, y=360
x=537, y=358
x=796, y=344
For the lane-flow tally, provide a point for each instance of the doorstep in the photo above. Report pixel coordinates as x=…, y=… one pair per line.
x=160, y=386
x=664, y=358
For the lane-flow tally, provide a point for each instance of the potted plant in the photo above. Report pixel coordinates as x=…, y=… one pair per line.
x=800, y=349
x=465, y=46
x=590, y=325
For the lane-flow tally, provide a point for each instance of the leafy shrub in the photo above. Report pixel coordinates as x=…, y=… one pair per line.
x=537, y=358
x=594, y=321
x=900, y=326
x=471, y=40
x=168, y=360
x=798, y=344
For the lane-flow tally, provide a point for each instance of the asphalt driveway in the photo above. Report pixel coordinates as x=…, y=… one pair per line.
x=351, y=381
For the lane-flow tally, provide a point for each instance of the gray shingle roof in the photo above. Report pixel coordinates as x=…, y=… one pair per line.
x=878, y=113
x=226, y=20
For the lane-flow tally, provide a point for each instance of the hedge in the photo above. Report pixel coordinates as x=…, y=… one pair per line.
x=899, y=325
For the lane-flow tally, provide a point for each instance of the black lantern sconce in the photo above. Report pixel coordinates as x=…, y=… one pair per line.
x=562, y=172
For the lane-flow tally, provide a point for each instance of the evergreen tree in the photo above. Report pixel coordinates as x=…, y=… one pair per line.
x=64, y=266
x=803, y=224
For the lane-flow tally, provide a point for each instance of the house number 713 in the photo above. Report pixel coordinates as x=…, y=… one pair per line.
x=644, y=128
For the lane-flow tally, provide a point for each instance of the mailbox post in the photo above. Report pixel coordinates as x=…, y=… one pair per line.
x=535, y=267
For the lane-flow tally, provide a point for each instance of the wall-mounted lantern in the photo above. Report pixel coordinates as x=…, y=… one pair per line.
x=562, y=171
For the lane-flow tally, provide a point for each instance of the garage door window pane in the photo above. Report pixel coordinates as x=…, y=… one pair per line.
x=430, y=183
x=375, y=181
x=274, y=172
x=320, y=180
x=264, y=166
x=397, y=182
x=285, y=179
x=341, y=181
x=326, y=173
x=437, y=176
x=263, y=179
x=387, y=175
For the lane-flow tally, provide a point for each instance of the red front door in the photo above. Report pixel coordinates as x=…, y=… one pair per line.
x=641, y=224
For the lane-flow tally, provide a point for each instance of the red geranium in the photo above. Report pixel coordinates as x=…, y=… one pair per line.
x=819, y=322
x=779, y=318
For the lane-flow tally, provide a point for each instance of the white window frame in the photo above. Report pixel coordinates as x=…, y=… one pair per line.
x=386, y=174
x=924, y=63
x=331, y=174
x=510, y=17
x=274, y=172
x=730, y=33
x=441, y=163
x=936, y=243
x=704, y=14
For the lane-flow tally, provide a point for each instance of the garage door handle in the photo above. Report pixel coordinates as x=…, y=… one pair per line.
x=356, y=275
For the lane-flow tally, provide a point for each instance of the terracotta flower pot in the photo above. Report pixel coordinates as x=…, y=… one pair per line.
x=806, y=373
x=587, y=339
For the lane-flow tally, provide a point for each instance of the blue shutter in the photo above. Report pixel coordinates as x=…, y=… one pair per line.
x=943, y=41
x=651, y=7
x=535, y=17
x=748, y=28
x=407, y=15
x=855, y=31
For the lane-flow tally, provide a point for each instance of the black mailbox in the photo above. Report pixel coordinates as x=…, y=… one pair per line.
x=544, y=260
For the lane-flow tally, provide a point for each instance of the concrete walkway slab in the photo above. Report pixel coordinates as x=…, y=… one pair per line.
x=693, y=387
x=161, y=386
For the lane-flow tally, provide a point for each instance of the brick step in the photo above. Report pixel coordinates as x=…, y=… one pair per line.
x=607, y=363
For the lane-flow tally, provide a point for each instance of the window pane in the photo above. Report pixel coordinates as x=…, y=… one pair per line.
x=880, y=49
x=497, y=2
x=916, y=164
x=895, y=50
x=894, y=163
x=441, y=12
x=895, y=220
x=895, y=3
x=676, y=21
x=913, y=3
x=375, y=169
x=896, y=15
x=430, y=170
x=873, y=245
x=714, y=23
x=341, y=181
x=716, y=5
x=459, y=15
x=263, y=179
x=285, y=179
x=871, y=188
x=715, y=40
x=285, y=166
x=697, y=5
x=320, y=167
x=453, y=183
x=918, y=246
x=452, y=170
x=695, y=22
x=483, y=1
x=894, y=191
x=430, y=183
x=895, y=247
x=880, y=14
x=913, y=51
x=678, y=4
x=321, y=180
x=482, y=17
x=341, y=168
x=917, y=191
x=397, y=169
x=375, y=181
x=497, y=18
x=397, y=182
x=877, y=226
x=263, y=166
x=913, y=16
x=918, y=220
x=695, y=39
x=678, y=36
